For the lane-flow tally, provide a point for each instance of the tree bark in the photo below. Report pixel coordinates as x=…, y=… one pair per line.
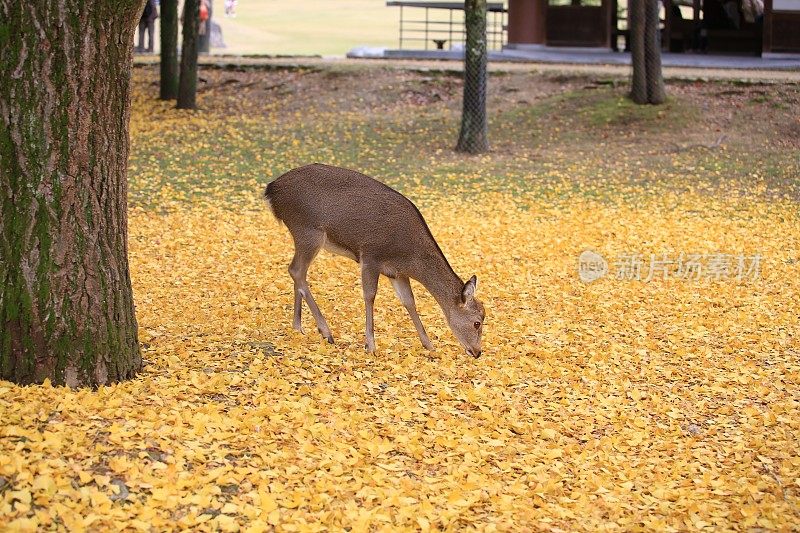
x=66, y=304
x=473, y=137
x=187, y=88
x=647, y=83
x=169, y=49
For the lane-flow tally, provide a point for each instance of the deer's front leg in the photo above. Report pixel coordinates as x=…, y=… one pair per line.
x=369, y=283
x=402, y=287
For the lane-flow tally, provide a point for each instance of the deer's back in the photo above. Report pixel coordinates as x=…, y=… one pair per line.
x=356, y=213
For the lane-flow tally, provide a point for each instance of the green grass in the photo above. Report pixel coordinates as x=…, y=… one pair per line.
x=587, y=112
x=618, y=110
x=322, y=27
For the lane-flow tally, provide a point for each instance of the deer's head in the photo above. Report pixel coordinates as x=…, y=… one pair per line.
x=466, y=317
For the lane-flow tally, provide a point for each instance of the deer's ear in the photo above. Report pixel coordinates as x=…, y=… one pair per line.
x=468, y=292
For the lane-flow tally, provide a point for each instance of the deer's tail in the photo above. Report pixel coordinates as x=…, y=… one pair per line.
x=268, y=195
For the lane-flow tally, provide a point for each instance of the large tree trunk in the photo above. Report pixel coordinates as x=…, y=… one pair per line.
x=169, y=49
x=473, y=137
x=66, y=305
x=647, y=84
x=187, y=89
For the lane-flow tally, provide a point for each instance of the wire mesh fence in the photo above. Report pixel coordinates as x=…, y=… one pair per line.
x=647, y=83
x=473, y=137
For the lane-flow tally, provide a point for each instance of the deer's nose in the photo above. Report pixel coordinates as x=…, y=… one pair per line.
x=474, y=353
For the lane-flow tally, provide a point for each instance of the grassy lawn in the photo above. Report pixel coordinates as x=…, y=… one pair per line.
x=283, y=27
x=310, y=27
x=661, y=404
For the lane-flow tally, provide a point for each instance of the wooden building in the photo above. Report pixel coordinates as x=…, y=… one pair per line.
x=701, y=25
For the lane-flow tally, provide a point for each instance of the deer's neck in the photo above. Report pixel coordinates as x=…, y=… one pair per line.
x=438, y=277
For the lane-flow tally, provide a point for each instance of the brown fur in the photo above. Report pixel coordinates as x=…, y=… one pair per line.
x=354, y=215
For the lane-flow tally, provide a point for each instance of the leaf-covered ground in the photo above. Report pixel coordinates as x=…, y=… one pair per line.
x=616, y=405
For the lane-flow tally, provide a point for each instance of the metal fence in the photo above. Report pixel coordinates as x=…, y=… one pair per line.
x=440, y=25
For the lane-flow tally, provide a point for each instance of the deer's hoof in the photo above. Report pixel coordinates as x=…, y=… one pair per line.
x=298, y=328
x=327, y=335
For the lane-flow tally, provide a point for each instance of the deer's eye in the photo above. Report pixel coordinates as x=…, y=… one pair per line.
x=477, y=325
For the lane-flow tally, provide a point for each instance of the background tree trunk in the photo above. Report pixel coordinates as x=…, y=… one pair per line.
x=187, y=88
x=66, y=305
x=169, y=49
x=652, y=50
x=647, y=83
x=473, y=137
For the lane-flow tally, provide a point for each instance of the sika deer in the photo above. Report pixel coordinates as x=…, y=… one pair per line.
x=353, y=215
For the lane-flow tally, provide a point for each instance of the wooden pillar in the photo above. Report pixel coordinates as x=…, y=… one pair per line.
x=766, y=30
x=527, y=22
x=608, y=18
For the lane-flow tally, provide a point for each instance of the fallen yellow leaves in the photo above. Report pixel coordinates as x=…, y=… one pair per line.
x=617, y=405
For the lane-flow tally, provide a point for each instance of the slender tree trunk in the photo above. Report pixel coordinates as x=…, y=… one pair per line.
x=187, y=88
x=473, y=137
x=647, y=84
x=66, y=305
x=652, y=50
x=169, y=49
x=636, y=22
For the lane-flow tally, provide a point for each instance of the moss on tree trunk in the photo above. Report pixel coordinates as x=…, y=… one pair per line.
x=66, y=305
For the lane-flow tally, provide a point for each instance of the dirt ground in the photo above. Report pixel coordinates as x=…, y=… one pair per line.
x=740, y=108
x=726, y=136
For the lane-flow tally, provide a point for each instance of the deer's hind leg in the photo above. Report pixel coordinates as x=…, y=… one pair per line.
x=369, y=283
x=307, y=245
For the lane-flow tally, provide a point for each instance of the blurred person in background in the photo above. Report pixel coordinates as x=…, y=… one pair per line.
x=147, y=23
x=230, y=8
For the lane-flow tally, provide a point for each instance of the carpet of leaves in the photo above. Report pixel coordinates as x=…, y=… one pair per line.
x=617, y=405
